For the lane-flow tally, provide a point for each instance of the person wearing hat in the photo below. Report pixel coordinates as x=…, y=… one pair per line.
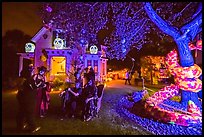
x=39, y=84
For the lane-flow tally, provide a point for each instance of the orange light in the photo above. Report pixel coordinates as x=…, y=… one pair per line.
x=199, y=43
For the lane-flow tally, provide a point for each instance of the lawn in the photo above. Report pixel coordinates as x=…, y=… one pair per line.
x=108, y=123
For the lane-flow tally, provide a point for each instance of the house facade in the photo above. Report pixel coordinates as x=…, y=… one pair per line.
x=50, y=50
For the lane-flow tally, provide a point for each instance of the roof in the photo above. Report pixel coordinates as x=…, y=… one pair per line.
x=39, y=34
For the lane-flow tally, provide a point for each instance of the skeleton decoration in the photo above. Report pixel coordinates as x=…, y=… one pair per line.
x=93, y=49
x=58, y=43
x=29, y=47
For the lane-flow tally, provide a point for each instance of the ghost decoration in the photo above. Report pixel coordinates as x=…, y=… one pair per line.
x=58, y=43
x=29, y=47
x=93, y=49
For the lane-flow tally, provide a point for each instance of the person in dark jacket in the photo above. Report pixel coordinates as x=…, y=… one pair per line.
x=76, y=94
x=90, y=92
x=26, y=98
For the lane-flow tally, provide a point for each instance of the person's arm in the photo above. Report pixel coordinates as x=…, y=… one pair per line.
x=75, y=94
x=40, y=84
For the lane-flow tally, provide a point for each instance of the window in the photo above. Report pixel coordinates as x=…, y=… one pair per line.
x=89, y=63
x=96, y=66
x=103, y=68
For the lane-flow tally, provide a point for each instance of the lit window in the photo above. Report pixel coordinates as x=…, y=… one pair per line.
x=88, y=63
x=103, y=68
x=96, y=66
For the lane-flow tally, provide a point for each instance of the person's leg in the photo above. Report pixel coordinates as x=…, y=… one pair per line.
x=73, y=108
x=86, y=109
x=78, y=107
x=42, y=109
x=99, y=104
x=38, y=102
x=20, y=118
x=30, y=116
x=47, y=101
x=83, y=108
x=129, y=81
x=30, y=119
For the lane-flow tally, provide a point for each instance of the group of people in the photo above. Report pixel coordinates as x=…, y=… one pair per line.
x=33, y=98
x=75, y=100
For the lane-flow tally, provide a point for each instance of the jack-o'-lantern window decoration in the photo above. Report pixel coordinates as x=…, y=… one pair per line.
x=58, y=43
x=29, y=47
x=93, y=49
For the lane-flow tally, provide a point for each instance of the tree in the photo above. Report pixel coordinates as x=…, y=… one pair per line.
x=12, y=43
x=182, y=36
x=129, y=25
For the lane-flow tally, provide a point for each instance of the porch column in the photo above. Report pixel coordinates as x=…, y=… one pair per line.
x=49, y=68
x=20, y=65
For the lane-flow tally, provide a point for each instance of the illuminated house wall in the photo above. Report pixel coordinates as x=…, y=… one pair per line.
x=43, y=40
x=59, y=60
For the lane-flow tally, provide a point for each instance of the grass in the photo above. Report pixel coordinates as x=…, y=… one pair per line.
x=109, y=123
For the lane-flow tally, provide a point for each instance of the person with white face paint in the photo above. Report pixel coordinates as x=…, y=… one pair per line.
x=39, y=84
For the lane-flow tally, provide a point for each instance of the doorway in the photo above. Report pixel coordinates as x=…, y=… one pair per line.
x=58, y=64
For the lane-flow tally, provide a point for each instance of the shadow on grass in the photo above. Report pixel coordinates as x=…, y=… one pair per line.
x=139, y=109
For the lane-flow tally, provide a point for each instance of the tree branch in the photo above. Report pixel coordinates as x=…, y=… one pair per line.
x=163, y=25
x=192, y=28
x=198, y=10
x=179, y=13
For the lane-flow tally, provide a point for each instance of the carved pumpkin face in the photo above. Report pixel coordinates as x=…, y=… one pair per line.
x=58, y=43
x=93, y=49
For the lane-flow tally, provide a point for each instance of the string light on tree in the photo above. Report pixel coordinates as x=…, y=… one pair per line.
x=127, y=22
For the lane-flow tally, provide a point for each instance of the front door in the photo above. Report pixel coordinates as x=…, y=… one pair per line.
x=58, y=65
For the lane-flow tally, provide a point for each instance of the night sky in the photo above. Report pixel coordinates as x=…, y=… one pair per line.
x=22, y=16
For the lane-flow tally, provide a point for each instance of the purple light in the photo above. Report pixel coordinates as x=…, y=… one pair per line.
x=129, y=24
x=48, y=9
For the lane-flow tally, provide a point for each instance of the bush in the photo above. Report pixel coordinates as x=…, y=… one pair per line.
x=12, y=83
x=57, y=83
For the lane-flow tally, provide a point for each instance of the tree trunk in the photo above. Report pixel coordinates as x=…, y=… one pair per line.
x=186, y=60
x=189, y=31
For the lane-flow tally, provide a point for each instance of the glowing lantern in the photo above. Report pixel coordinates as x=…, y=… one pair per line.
x=29, y=47
x=93, y=49
x=43, y=58
x=58, y=43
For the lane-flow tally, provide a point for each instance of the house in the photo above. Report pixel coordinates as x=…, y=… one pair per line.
x=153, y=69
x=48, y=49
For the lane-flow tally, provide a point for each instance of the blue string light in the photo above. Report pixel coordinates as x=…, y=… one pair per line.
x=131, y=27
